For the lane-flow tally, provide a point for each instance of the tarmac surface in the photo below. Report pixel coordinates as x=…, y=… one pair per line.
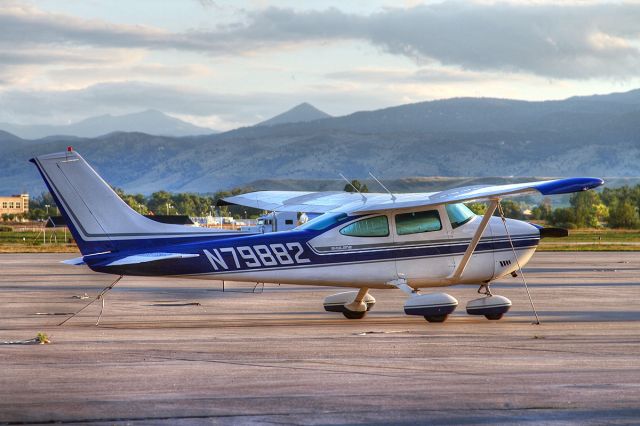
x=174, y=351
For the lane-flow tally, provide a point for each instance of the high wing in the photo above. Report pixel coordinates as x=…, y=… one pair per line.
x=295, y=201
x=322, y=202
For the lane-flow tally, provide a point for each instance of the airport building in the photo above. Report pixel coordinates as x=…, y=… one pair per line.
x=14, y=204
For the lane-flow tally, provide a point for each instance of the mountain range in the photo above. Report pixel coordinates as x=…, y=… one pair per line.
x=149, y=121
x=480, y=137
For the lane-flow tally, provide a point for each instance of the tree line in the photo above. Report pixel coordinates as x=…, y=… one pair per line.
x=611, y=207
x=158, y=203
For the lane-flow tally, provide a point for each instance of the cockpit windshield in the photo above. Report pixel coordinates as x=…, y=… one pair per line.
x=323, y=221
x=459, y=214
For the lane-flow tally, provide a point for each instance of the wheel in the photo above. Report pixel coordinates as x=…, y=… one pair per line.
x=436, y=318
x=494, y=317
x=354, y=315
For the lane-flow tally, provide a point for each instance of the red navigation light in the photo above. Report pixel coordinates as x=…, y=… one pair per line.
x=69, y=149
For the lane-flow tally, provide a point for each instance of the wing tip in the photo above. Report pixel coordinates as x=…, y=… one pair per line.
x=569, y=185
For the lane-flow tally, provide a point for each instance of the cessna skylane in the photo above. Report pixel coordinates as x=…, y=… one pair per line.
x=362, y=241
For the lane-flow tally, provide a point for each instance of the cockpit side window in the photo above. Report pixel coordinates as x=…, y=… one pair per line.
x=417, y=222
x=377, y=226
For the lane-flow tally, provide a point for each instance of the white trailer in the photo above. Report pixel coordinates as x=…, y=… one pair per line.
x=273, y=222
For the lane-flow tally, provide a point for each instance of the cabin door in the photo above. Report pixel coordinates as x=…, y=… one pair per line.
x=422, y=239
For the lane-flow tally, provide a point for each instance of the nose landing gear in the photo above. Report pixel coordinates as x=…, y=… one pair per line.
x=493, y=307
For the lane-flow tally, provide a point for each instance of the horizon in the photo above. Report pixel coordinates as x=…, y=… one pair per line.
x=186, y=120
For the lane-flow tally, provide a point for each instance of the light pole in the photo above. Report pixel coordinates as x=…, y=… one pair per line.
x=44, y=229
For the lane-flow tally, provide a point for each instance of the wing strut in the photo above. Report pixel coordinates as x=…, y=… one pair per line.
x=475, y=240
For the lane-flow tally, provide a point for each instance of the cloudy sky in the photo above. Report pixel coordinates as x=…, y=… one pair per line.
x=223, y=64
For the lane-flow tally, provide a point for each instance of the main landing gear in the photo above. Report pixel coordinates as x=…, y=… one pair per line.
x=434, y=307
x=352, y=304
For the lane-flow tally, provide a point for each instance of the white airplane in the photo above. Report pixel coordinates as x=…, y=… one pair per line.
x=372, y=241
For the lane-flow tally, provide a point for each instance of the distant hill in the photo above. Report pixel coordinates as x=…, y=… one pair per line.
x=302, y=113
x=476, y=137
x=7, y=139
x=150, y=121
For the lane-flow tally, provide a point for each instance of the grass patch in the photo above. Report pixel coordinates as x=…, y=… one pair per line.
x=589, y=247
x=601, y=235
x=36, y=242
x=594, y=240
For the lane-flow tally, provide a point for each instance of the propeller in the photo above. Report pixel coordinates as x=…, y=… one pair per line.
x=554, y=233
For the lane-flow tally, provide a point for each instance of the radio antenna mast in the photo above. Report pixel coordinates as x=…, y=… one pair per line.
x=393, y=197
x=351, y=185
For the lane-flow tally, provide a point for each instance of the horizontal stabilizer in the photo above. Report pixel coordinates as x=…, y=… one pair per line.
x=150, y=257
x=76, y=261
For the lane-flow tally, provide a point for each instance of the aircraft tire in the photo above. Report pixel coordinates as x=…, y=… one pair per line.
x=354, y=315
x=436, y=318
x=494, y=317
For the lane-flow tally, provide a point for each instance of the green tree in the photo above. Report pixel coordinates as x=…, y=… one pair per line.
x=37, y=214
x=477, y=208
x=160, y=202
x=589, y=210
x=564, y=217
x=543, y=210
x=623, y=215
x=136, y=202
x=511, y=209
x=361, y=187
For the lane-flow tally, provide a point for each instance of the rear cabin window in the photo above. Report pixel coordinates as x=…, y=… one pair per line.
x=417, y=222
x=377, y=226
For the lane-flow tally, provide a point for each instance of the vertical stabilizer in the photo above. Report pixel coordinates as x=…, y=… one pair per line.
x=97, y=217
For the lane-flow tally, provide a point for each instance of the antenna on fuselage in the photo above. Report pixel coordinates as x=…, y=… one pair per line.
x=350, y=184
x=393, y=197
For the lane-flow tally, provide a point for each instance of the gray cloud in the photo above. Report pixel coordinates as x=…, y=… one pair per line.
x=570, y=41
x=566, y=41
x=422, y=75
x=12, y=57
